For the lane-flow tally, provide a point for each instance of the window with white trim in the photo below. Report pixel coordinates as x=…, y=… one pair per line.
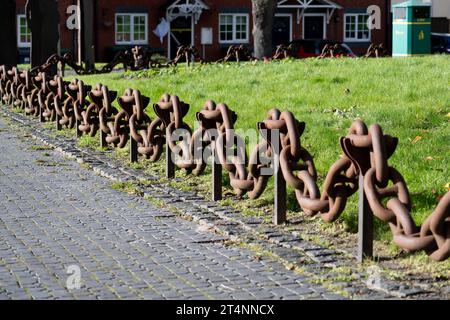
x=233, y=28
x=356, y=28
x=23, y=32
x=131, y=28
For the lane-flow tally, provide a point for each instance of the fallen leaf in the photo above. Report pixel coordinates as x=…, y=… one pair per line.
x=447, y=186
x=416, y=139
x=429, y=158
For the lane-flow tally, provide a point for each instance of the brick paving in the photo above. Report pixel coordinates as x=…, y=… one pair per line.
x=55, y=214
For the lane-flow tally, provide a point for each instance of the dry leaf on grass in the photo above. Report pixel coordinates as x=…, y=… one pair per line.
x=416, y=139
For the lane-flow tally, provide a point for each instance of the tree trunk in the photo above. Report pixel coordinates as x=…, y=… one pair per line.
x=86, y=49
x=8, y=33
x=263, y=14
x=42, y=16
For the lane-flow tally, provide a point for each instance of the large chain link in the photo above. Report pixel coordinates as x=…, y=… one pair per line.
x=171, y=111
x=434, y=235
x=340, y=183
x=214, y=121
x=148, y=134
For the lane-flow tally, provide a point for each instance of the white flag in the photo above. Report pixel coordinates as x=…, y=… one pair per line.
x=162, y=29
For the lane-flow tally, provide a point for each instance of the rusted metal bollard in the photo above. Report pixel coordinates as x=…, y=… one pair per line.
x=58, y=124
x=360, y=156
x=216, y=175
x=77, y=128
x=133, y=150
x=279, y=208
x=365, y=225
x=103, y=143
x=41, y=114
x=170, y=165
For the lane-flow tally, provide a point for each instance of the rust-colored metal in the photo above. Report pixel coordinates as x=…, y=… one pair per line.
x=246, y=173
x=138, y=58
x=284, y=51
x=149, y=135
x=171, y=111
x=115, y=123
x=238, y=53
x=340, y=183
x=376, y=51
x=32, y=106
x=188, y=54
x=82, y=110
x=214, y=120
x=332, y=51
x=65, y=105
x=53, y=88
x=89, y=122
x=364, y=162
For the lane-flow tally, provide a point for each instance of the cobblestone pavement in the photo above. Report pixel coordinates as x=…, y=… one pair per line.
x=55, y=214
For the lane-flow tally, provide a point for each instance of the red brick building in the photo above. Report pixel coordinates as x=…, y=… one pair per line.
x=212, y=25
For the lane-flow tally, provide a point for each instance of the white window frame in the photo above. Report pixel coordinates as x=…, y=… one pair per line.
x=235, y=15
x=21, y=44
x=357, y=15
x=132, y=16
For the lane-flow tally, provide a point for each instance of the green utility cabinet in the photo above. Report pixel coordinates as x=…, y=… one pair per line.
x=411, y=28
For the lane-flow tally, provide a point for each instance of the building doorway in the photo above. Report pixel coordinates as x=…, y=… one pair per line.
x=180, y=34
x=282, y=29
x=314, y=26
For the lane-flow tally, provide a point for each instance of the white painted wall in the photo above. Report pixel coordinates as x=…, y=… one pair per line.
x=439, y=8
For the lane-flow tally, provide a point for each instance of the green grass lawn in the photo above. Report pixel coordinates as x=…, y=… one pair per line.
x=409, y=98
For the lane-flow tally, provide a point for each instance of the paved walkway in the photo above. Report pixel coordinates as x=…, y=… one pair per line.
x=57, y=217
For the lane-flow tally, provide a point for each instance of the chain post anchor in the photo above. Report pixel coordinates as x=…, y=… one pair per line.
x=133, y=150
x=103, y=143
x=365, y=225
x=361, y=160
x=77, y=128
x=280, y=198
x=216, y=176
x=41, y=114
x=170, y=165
x=58, y=124
x=279, y=210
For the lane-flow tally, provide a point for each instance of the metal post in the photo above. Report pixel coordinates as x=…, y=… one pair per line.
x=103, y=143
x=365, y=225
x=216, y=175
x=58, y=125
x=133, y=150
x=279, y=210
x=41, y=114
x=77, y=128
x=170, y=166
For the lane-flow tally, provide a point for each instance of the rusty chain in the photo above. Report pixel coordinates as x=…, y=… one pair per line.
x=384, y=184
x=237, y=52
x=214, y=121
x=171, y=111
x=148, y=134
x=376, y=51
x=366, y=151
x=187, y=53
